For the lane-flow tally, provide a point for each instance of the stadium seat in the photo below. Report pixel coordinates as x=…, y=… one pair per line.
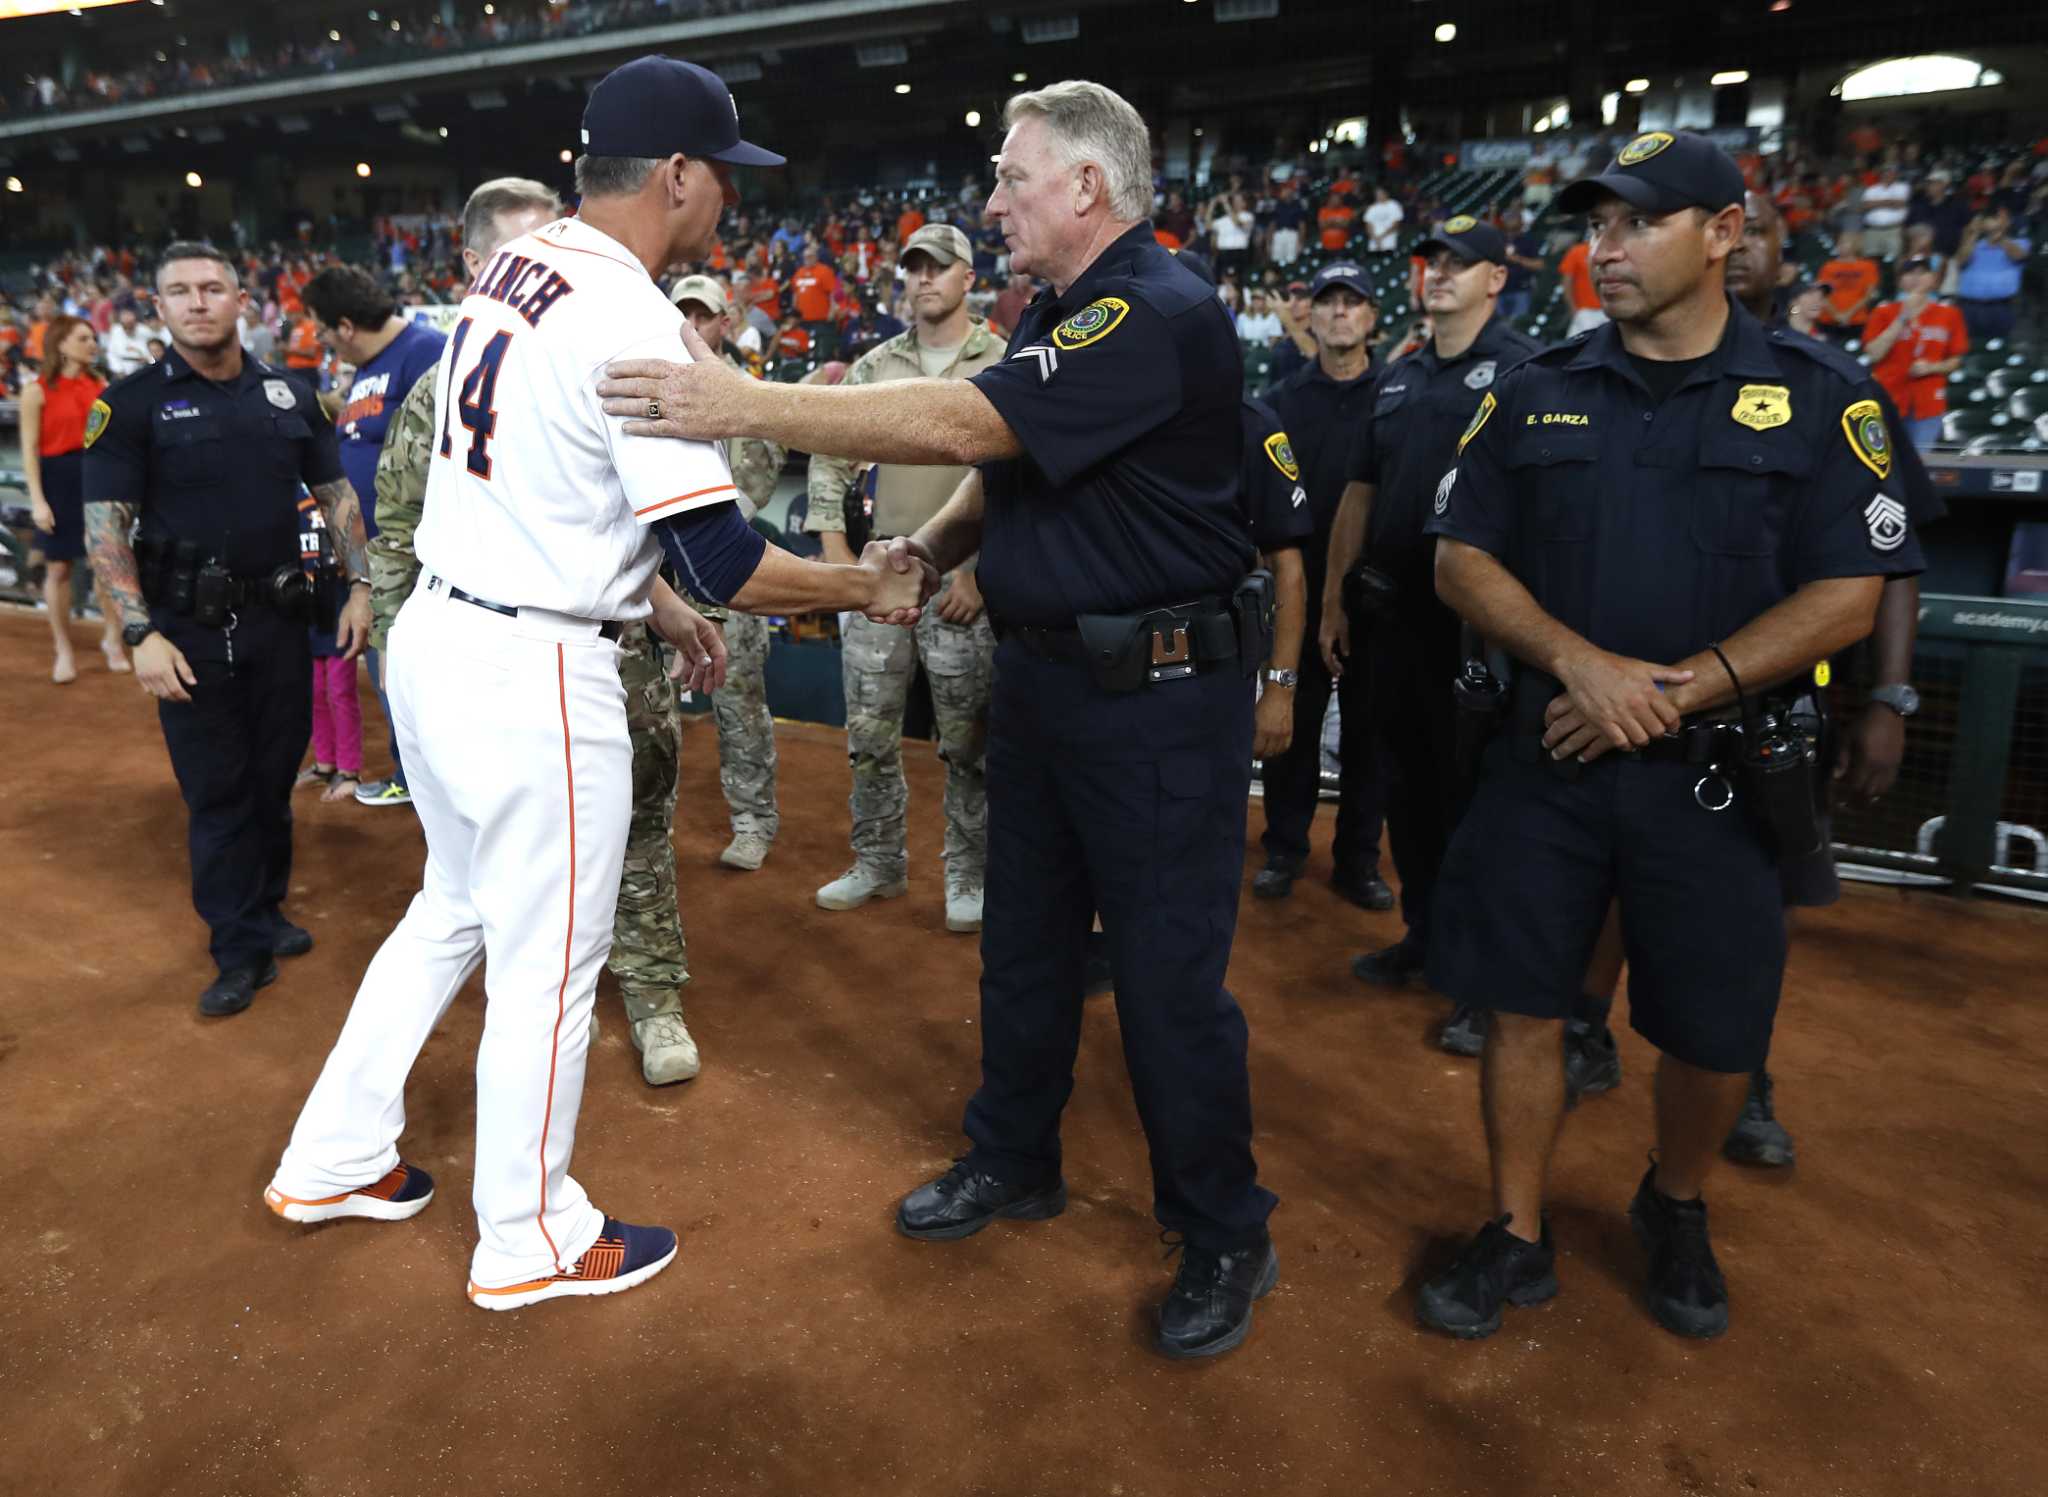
x=1959, y=426
x=2028, y=403
x=2001, y=384
x=1988, y=443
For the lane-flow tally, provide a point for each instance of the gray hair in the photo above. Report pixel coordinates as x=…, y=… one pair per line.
x=613, y=176
x=497, y=197
x=1093, y=123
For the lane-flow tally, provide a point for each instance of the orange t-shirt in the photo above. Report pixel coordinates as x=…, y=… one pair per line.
x=1848, y=282
x=33, y=349
x=811, y=289
x=304, y=350
x=793, y=342
x=908, y=222
x=1333, y=222
x=1936, y=334
x=766, y=293
x=1577, y=269
x=66, y=403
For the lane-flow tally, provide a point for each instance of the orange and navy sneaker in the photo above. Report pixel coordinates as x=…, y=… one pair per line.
x=402, y=1193
x=622, y=1256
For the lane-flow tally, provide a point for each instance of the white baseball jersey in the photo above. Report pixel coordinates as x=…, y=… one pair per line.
x=535, y=497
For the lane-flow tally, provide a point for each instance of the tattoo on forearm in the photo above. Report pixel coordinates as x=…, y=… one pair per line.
x=344, y=513
x=113, y=559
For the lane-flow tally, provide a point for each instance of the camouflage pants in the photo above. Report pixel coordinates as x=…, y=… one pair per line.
x=879, y=661
x=648, y=956
x=746, y=731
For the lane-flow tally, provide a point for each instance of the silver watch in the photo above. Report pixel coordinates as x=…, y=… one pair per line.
x=1903, y=700
x=1284, y=678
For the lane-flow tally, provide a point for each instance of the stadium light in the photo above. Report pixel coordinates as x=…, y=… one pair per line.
x=1018, y=77
x=362, y=168
x=1636, y=86
x=973, y=118
x=444, y=132
x=394, y=23
x=161, y=55
x=1448, y=32
x=902, y=88
x=490, y=10
x=332, y=36
x=1732, y=76
x=567, y=155
x=14, y=185
x=193, y=179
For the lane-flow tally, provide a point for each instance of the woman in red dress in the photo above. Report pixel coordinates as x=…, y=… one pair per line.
x=54, y=410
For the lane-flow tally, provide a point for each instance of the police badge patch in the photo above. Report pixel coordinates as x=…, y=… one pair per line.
x=1095, y=321
x=1464, y=223
x=1761, y=407
x=1282, y=454
x=1443, y=491
x=1863, y=425
x=96, y=421
x=1481, y=375
x=280, y=395
x=1642, y=148
x=1478, y=420
x=1886, y=518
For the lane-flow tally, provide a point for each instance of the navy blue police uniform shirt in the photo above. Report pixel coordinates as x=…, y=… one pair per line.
x=1408, y=441
x=1275, y=503
x=1322, y=417
x=219, y=465
x=1124, y=395
x=1655, y=529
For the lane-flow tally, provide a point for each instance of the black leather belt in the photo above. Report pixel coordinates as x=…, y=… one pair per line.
x=1053, y=644
x=1695, y=743
x=609, y=629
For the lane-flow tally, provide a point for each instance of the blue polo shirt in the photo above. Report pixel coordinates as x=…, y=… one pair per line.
x=1990, y=274
x=380, y=388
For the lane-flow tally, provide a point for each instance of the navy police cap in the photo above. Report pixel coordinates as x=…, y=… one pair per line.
x=657, y=107
x=1660, y=173
x=1346, y=273
x=1467, y=237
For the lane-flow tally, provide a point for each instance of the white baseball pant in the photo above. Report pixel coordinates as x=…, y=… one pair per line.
x=513, y=732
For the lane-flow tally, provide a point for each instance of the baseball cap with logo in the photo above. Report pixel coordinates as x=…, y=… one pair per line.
x=1660, y=173
x=702, y=290
x=656, y=107
x=1468, y=237
x=942, y=242
x=1345, y=273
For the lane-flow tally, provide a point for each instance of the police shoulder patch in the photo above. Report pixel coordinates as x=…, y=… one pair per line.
x=1464, y=223
x=1642, y=148
x=1479, y=419
x=1863, y=425
x=1761, y=407
x=1092, y=323
x=96, y=421
x=1281, y=451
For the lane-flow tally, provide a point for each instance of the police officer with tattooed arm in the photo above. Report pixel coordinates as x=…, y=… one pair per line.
x=192, y=475
x=1116, y=563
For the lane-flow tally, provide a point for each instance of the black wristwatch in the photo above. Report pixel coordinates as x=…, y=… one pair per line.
x=134, y=634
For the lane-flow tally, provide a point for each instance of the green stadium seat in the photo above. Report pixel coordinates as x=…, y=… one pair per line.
x=1959, y=426
x=2028, y=403
x=2002, y=384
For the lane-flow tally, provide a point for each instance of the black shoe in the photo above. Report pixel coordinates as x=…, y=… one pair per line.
x=1464, y=1032
x=1758, y=1137
x=1275, y=880
x=1209, y=1309
x=1687, y=1294
x=290, y=940
x=1591, y=1061
x=1096, y=976
x=234, y=990
x=1390, y=967
x=965, y=1199
x=1368, y=892
x=1495, y=1268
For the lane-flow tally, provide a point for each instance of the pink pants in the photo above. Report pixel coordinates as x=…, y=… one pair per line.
x=337, y=714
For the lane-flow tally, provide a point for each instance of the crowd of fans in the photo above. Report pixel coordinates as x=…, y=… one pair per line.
x=400, y=34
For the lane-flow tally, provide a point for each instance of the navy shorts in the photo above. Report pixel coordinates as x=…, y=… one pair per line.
x=1534, y=865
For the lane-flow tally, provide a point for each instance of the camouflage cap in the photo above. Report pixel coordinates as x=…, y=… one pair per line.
x=702, y=290
x=942, y=242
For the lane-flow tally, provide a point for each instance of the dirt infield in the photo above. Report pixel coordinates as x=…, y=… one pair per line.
x=166, y=1335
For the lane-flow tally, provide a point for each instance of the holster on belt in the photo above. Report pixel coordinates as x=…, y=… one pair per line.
x=1369, y=593
x=1480, y=693
x=1129, y=650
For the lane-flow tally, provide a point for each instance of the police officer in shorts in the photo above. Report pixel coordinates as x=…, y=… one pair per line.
x=1664, y=522
x=1402, y=450
x=200, y=457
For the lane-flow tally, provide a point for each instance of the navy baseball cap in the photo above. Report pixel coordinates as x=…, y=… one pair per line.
x=1467, y=236
x=1660, y=173
x=657, y=107
x=1342, y=273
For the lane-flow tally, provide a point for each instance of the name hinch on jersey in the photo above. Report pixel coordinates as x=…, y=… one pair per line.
x=529, y=287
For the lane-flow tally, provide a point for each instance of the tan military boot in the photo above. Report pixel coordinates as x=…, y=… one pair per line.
x=858, y=885
x=667, y=1053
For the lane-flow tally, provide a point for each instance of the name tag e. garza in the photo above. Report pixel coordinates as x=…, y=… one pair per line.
x=1557, y=418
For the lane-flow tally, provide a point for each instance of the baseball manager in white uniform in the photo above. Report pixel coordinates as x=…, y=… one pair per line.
x=544, y=529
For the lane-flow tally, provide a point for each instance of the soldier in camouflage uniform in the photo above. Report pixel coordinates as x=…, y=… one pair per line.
x=648, y=956
x=953, y=638
x=746, y=730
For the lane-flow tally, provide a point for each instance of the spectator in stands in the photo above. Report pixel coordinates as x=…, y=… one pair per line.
x=791, y=341
x=1525, y=259
x=1852, y=279
x=1257, y=324
x=303, y=352
x=810, y=292
x=1885, y=203
x=1298, y=341
x=1989, y=263
x=1335, y=221
x=1577, y=270
x=1913, y=344
x=127, y=344
x=1382, y=223
x=1010, y=303
x=157, y=348
x=55, y=422
x=1803, y=302
x=258, y=341
x=1289, y=217
x=38, y=327
x=1176, y=218
x=1229, y=222
x=1942, y=211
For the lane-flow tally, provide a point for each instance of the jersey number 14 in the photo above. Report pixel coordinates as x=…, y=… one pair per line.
x=477, y=404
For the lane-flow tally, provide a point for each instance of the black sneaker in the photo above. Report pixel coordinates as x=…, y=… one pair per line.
x=1209, y=1309
x=965, y=1199
x=1686, y=1294
x=1390, y=967
x=1495, y=1268
x=1591, y=1061
x=1275, y=880
x=1464, y=1032
x=1368, y=890
x=1758, y=1137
